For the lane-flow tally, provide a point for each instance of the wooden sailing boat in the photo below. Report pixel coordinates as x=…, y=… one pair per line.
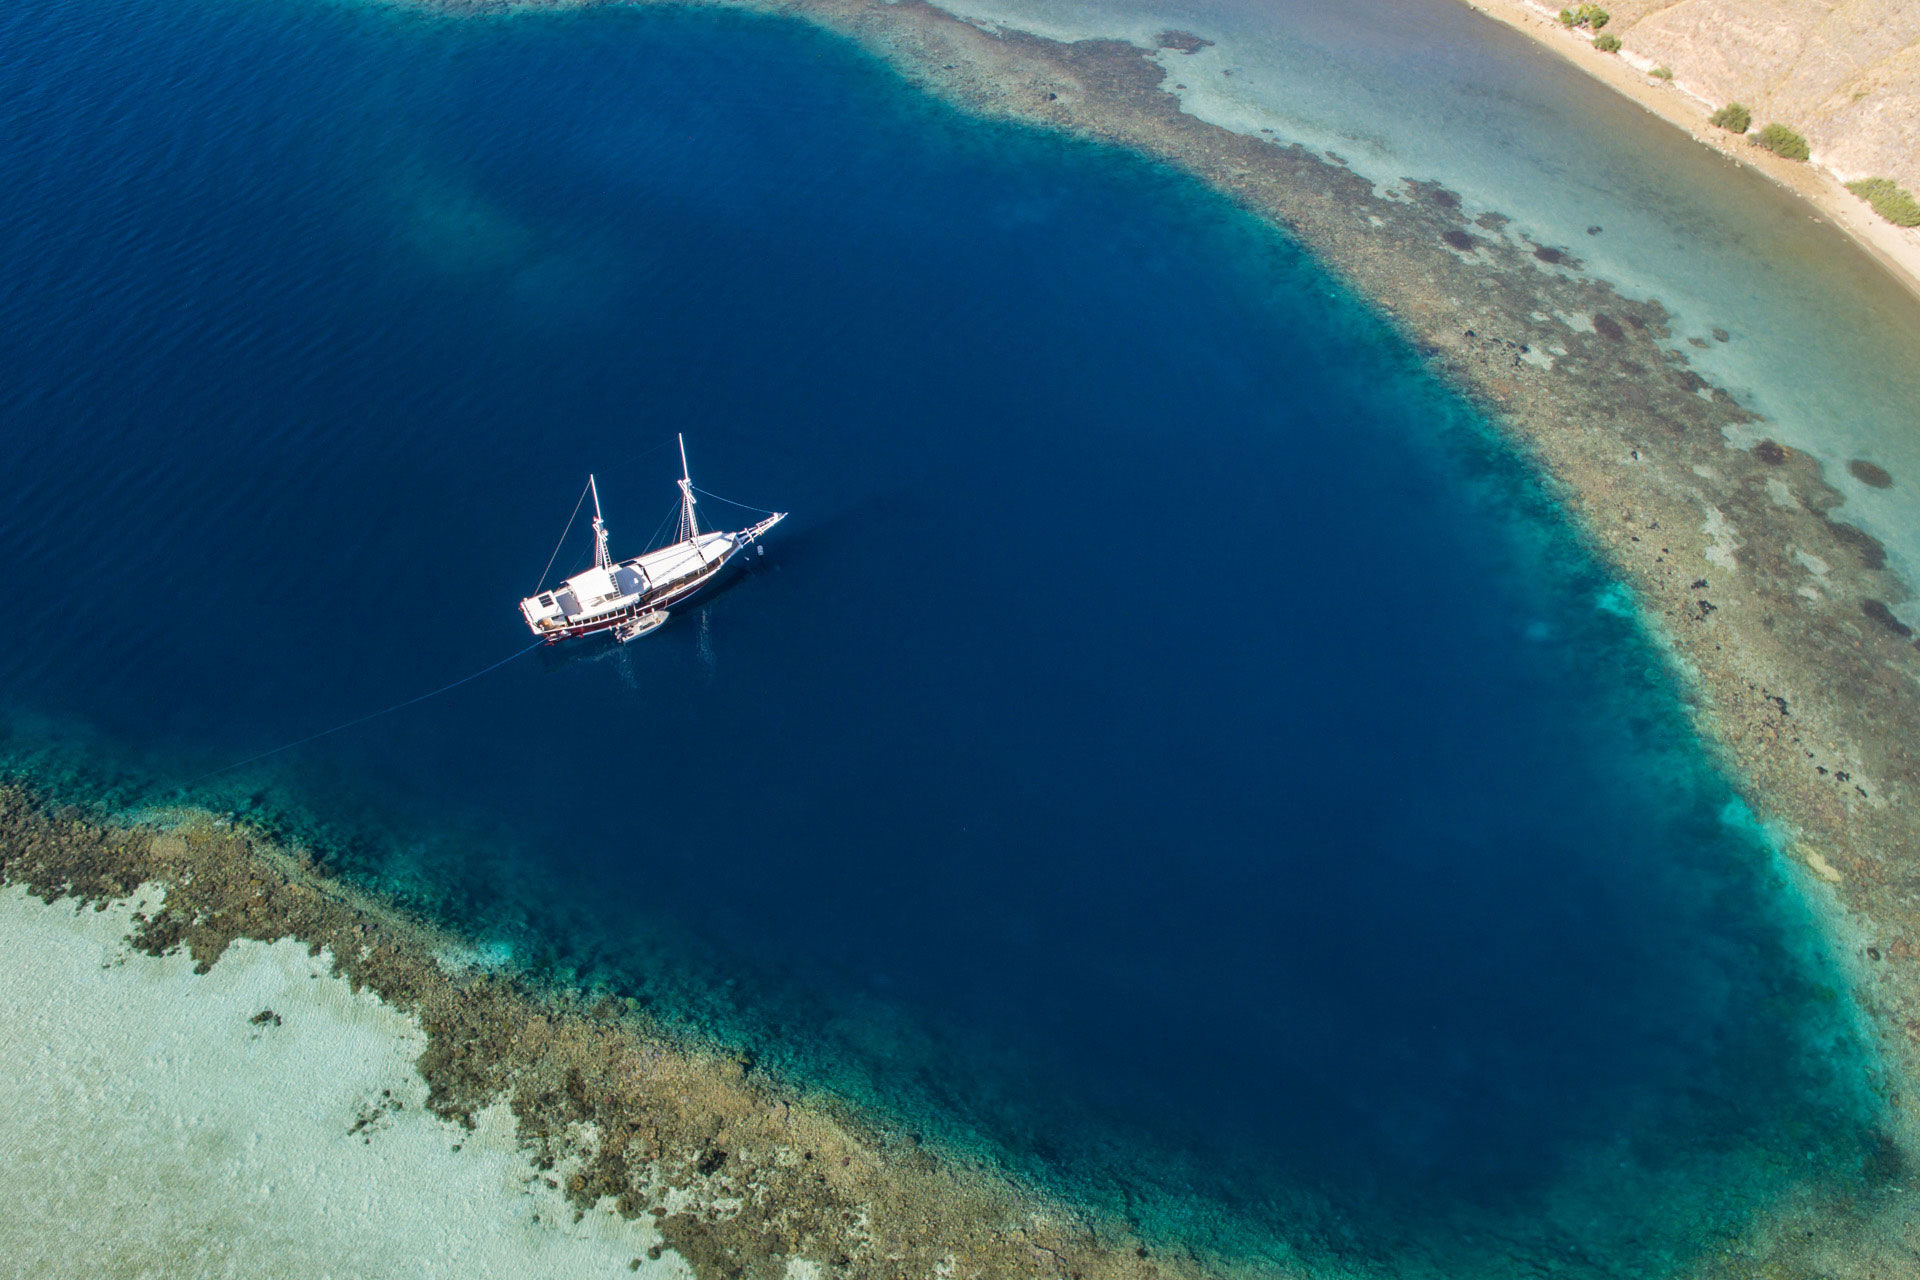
x=630, y=597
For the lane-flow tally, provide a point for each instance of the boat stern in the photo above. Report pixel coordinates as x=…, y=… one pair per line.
x=545, y=613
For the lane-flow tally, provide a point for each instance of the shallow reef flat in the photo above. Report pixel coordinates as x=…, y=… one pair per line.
x=213, y=1034
x=263, y=1116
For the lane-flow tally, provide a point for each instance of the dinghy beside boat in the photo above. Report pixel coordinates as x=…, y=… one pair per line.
x=641, y=624
x=630, y=597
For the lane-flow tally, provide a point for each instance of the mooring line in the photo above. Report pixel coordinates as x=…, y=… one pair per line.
x=398, y=706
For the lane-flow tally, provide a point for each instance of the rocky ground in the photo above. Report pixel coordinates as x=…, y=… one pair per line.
x=1844, y=73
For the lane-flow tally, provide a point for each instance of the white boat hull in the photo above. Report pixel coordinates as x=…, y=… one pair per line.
x=686, y=567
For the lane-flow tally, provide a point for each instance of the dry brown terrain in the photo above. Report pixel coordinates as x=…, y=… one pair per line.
x=1845, y=75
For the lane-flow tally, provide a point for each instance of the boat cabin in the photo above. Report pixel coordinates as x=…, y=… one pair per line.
x=594, y=592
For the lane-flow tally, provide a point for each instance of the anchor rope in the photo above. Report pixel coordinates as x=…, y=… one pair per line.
x=384, y=711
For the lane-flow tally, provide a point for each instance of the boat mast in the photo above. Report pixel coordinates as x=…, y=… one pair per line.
x=689, y=527
x=600, y=556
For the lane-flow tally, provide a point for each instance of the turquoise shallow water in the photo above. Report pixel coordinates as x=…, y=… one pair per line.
x=1172, y=751
x=1824, y=343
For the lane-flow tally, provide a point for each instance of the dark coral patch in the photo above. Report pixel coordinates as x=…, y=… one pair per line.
x=1878, y=611
x=1872, y=554
x=1770, y=453
x=1868, y=474
x=1460, y=240
x=1609, y=328
x=1184, y=41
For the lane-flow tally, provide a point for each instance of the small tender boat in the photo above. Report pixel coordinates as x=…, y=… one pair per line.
x=640, y=624
x=630, y=597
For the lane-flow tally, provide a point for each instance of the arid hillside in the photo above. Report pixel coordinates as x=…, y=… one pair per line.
x=1843, y=73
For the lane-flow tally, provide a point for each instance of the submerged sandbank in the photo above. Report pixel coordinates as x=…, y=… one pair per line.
x=226, y=1063
x=263, y=1117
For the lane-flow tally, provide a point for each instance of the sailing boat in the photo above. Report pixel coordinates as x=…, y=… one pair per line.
x=630, y=597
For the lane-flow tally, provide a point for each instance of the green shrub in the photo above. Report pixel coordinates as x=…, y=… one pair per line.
x=1733, y=117
x=1608, y=43
x=1590, y=16
x=1889, y=199
x=1783, y=142
x=1661, y=73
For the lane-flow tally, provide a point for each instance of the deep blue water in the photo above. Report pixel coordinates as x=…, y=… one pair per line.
x=1171, y=747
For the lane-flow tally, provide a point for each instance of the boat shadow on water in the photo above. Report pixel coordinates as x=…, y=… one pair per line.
x=688, y=625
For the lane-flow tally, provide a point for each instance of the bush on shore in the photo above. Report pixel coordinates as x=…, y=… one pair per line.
x=1733, y=117
x=1590, y=16
x=1783, y=142
x=1661, y=73
x=1608, y=43
x=1889, y=199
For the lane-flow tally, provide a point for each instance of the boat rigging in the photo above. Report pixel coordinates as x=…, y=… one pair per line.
x=630, y=597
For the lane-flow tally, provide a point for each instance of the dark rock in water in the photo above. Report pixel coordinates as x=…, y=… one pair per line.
x=1721, y=335
x=1593, y=231
x=1884, y=1163
x=1770, y=453
x=1492, y=221
x=1184, y=41
x=264, y=1018
x=1869, y=474
x=1607, y=327
x=1878, y=611
x=1460, y=240
x=1556, y=257
x=710, y=1162
x=1435, y=194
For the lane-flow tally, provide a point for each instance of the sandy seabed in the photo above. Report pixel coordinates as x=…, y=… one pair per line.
x=261, y=1119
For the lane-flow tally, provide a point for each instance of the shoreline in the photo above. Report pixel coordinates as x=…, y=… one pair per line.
x=1896, y=249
